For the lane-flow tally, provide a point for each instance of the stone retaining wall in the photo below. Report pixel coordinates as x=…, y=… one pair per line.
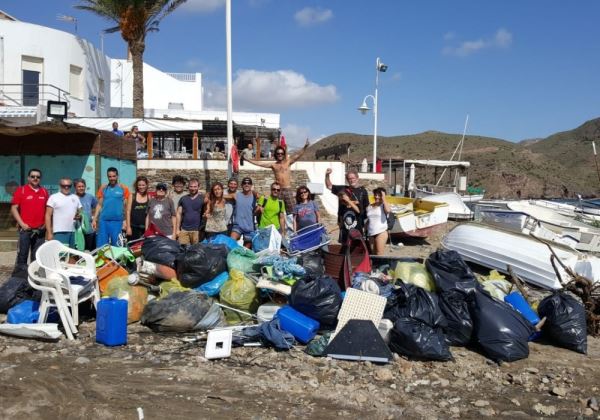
x=262, y=179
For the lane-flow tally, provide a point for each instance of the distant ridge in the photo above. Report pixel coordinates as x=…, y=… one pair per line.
x=560, y=165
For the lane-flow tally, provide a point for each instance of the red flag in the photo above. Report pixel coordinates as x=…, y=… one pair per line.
x=282, y=142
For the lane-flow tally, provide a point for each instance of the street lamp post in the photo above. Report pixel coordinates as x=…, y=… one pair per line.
x=379, y=67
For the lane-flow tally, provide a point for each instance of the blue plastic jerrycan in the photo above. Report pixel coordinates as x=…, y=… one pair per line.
x=111, y=322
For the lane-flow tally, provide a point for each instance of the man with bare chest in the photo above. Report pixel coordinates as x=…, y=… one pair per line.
x=283, y=176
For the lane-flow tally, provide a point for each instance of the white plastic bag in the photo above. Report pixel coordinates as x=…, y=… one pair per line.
x=266, y=241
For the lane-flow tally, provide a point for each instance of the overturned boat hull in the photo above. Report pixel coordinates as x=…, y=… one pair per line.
x=530, y=259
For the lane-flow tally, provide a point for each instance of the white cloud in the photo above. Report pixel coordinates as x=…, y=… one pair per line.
x=257, y=90
x=202, y=6
x=449, y=36
x=501, y=39
x=312, y=16
x=295, y=135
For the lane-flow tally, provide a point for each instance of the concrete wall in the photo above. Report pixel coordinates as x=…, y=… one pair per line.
x=58, y=50
x=159, y=89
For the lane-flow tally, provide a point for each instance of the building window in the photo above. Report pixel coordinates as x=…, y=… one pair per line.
x=100, y=93
x=76, y=82
x=31, y=73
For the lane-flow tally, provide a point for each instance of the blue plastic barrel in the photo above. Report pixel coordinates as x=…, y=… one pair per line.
x=518, y=302
x=111, y=322
x=299, y=325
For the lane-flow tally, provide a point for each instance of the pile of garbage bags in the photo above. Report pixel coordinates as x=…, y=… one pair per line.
x=429, y=306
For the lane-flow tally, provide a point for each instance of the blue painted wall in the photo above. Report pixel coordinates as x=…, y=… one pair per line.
x=55, y=167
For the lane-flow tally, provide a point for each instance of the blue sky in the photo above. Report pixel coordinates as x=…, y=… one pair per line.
x=520, y=68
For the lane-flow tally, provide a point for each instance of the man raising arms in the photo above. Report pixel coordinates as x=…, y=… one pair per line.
x=283, y=174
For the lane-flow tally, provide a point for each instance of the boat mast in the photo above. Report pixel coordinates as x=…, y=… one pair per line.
x=459, y=146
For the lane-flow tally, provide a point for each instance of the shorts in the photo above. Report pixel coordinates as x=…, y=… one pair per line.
x=66, y=238
x=288, y=196
x=188, y=237
x=247, y=235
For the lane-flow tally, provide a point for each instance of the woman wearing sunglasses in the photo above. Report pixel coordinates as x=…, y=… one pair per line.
x=306, y=211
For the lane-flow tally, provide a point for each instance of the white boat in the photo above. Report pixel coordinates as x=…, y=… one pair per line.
x=530, y=259
x=457, y=209
x=415, y=217
x=549, y=215
x=585, y=239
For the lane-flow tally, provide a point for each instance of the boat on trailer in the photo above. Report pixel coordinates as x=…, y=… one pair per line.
x=529, y=258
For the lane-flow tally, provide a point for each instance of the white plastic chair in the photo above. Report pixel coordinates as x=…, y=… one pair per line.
x=52, y=296
x=60, y=263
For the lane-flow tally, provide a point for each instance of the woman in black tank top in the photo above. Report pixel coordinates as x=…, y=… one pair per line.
x=137, y=207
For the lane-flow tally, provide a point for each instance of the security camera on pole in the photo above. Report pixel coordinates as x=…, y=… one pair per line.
x=379, y=67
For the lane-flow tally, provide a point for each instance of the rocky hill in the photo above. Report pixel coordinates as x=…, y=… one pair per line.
x=561, y=165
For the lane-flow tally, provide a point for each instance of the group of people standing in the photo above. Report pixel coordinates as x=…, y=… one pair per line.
x=187, y=216
x=115, y=215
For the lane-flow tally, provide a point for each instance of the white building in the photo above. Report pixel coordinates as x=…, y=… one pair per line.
x=38, y=64
x=162, y=91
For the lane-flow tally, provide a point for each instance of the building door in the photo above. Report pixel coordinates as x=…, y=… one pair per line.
x=31, y=88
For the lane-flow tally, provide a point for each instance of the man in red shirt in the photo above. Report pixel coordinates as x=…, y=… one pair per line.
x=28, y=207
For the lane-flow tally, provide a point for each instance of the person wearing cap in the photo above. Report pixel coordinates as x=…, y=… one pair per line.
x=245, y=206
x=161, y=211
x=109, y=217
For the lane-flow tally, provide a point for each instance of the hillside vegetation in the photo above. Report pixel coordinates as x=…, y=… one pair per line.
x=561, y=165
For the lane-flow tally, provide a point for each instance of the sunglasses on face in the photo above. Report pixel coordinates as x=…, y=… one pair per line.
x=303, y=192
x=35, y=176
x=279, y=154
x=66, y=185
x=246, y=183
x=275, y=189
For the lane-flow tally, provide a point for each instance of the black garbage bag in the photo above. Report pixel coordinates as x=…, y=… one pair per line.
x=455, y=307
x=313, y=263
x=319, y=298
x=177, y=312
x=450, y=272
x=410, y=301
x=413, y=338
x=200, y=263
x=418, y=324
x=161, y=250
x=14, y=291
x=501, y=331
x=565, y=324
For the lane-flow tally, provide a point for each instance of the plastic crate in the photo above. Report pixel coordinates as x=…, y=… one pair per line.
x=307, y=238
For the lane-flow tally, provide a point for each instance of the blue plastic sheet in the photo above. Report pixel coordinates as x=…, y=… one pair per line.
x=271, y=333
x=230, y=243
x=213, y=287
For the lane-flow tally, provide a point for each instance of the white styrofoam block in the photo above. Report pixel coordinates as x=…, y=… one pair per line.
x=218, y=344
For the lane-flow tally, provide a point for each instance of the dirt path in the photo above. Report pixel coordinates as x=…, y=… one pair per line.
x=169, y=378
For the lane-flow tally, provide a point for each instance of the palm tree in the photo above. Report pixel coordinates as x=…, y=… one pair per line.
x=134, y=18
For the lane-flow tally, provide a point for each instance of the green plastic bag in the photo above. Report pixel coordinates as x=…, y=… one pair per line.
x=79, y=238
x=241, y=293
x=241, y=259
